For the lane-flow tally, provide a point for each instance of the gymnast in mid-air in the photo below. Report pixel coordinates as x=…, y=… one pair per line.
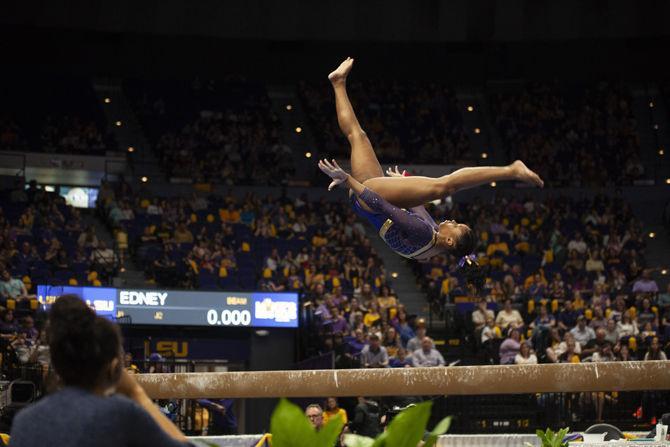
x=394, y=205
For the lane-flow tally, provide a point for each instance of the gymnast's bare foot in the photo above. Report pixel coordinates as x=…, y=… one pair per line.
x=521, y=172
x=340, y=74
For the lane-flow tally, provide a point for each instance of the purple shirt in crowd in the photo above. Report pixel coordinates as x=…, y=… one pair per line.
x=508, y=350
x=339, y=325
x=356, y=346
x=645, y=286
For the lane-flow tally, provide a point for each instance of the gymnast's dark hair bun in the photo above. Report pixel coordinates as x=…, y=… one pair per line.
x=465, y=245
x=82, y=344
x=463, y=249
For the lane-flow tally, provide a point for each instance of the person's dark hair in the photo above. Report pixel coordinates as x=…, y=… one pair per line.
x=465, y=245
x=3, y=313
x=82, y=345
x=650, y=352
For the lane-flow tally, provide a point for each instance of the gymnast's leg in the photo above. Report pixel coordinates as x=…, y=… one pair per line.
x=364, y=163
x=408, y=192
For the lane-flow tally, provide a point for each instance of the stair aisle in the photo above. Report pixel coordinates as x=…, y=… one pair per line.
x=128, y=131
x=296, y=133
x=653, y=131
x=404, y=283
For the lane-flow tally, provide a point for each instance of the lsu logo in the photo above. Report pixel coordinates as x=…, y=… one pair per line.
x=179, y=349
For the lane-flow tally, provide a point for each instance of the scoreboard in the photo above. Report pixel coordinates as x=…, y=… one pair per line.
x=184, y=307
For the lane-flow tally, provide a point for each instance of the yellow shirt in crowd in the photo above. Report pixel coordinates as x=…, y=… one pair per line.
x=319, y=241
x=229, y=215
x=387, y=301
x=329, y=414
x=370, y=318
x=501, y=247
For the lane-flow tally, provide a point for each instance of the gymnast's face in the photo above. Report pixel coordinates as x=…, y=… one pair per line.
x=450, y=231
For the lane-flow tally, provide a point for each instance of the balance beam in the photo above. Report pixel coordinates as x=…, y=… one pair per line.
x=462, y=380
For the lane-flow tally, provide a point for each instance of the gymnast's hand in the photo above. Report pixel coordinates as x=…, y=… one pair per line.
x=333, y=170
x=391, y=173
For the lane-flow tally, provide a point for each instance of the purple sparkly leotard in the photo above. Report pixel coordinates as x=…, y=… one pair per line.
x=407, y=233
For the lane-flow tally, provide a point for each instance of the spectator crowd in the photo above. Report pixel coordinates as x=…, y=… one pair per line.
x=406, y=122
x=43, y=241
x=225, y=131
x=53, y=115
x=562, y=280
x=572, y=135
x=314, y=247
x=214, y=131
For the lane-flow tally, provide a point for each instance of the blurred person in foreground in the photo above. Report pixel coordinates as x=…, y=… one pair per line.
x=100, y=404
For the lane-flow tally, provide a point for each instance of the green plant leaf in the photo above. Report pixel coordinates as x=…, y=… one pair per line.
x=407, y=428
x=328, y=434
x=546, y=437
x=441, y=428
x=550, y=439
x=558, y=438
x=358, y=441
x=380, y=441
x=561, y=435
x=290, y=427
